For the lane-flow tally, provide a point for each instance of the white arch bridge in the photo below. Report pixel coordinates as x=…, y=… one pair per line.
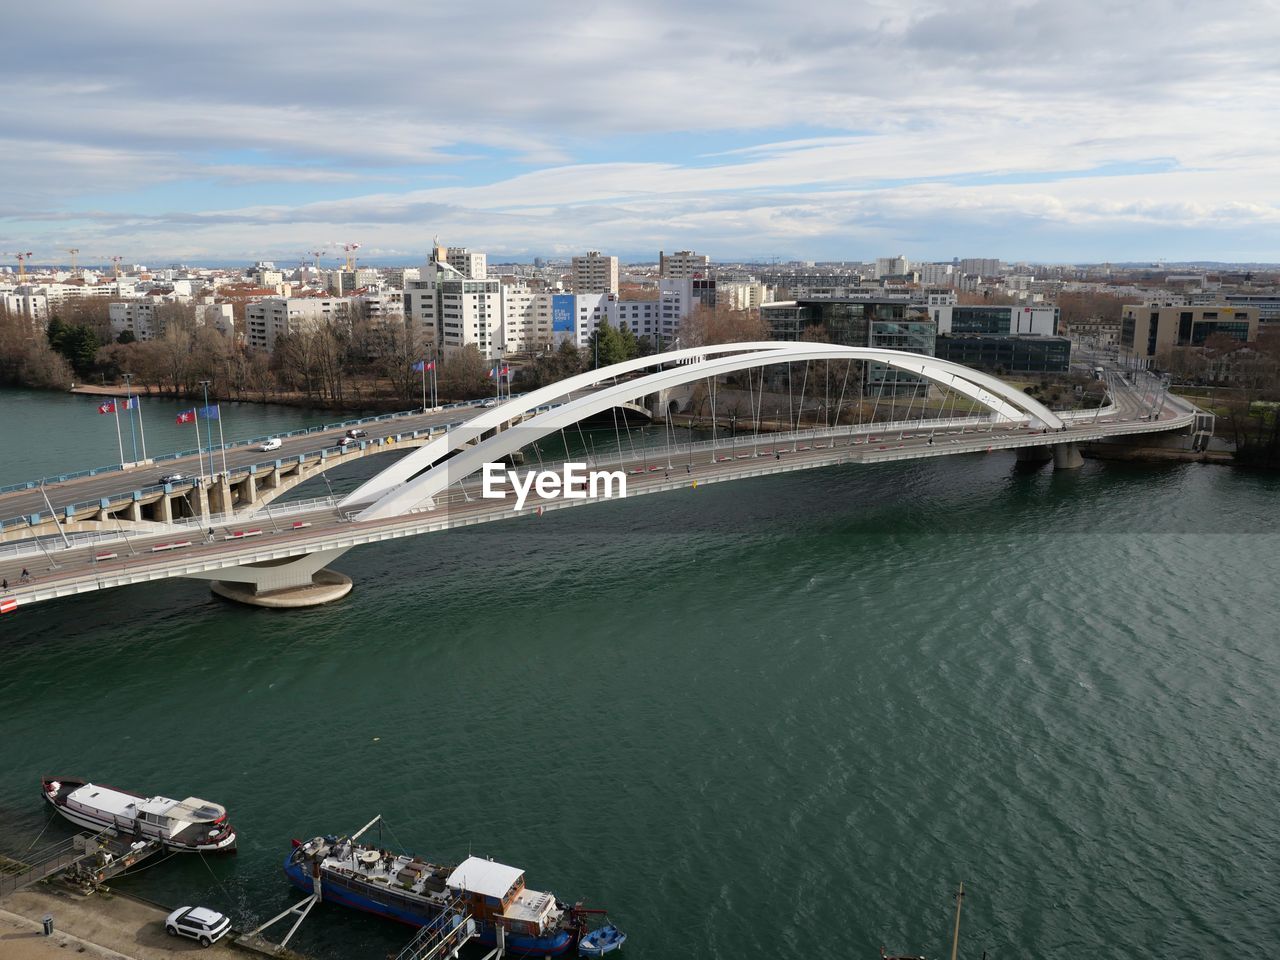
x=279, y=560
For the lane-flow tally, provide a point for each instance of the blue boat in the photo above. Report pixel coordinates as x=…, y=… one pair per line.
x=413, y=891
x=604, y=940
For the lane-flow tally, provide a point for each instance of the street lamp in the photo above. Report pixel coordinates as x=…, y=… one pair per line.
x=733, y=427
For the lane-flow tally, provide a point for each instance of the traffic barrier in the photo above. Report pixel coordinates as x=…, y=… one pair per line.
x=170, y=546
x=105, y=556
x=8, y=604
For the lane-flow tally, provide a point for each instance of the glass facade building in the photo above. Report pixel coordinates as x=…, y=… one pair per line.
x=857, y=323
x=1015, y=354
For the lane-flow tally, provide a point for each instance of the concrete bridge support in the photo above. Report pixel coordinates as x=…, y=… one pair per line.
x=291, y=582
x=1066, y=456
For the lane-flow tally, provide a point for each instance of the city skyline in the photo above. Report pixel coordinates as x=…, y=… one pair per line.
x=1026, y=133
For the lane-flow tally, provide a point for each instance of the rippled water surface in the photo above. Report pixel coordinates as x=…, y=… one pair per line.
x=780, y=717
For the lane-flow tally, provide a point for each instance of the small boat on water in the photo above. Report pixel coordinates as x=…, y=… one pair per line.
x=414, y=891
x=600, y=941
x=188, y=826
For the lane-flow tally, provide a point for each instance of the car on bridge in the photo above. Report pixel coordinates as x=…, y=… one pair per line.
x=356, y=433
x=172, y=478
x=198, y=923
x=272, y=444
x=490, y=403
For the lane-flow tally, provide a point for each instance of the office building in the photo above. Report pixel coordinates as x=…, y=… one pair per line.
x=1152, y=330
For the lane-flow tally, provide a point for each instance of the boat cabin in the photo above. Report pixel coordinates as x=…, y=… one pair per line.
x=155, y=816
x=496, y=893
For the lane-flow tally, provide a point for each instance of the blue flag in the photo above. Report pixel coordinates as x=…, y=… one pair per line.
x=209, y=413
x=419, y=366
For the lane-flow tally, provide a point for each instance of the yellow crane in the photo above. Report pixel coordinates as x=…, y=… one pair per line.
x=116, y=261
x=73, y=251
x=351, y=249
x=22, y=264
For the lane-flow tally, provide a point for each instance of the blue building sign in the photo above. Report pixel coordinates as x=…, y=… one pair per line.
x=562, y=309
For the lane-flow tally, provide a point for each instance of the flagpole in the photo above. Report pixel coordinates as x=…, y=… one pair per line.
x=141, y=430
x=435, y=397
x=221, y=442
x=129, y=405
x=209, y=431
x=119, y=440
x=424, y=386
x=199, y=449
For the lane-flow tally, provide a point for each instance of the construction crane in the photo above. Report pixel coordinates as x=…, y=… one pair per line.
x=73, y=251
x=317, y=254
x=22, y=264
x=351, y=249
x=116, y=261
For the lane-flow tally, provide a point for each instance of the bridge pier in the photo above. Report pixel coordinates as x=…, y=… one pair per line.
x=282, y=584
x=1065, y=456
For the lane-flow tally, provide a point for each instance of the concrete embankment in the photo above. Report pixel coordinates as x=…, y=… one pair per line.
x=104, y=926
x=1107, y=451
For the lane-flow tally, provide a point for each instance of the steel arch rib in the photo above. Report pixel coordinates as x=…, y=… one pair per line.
x=486, y=420
x=992, y=393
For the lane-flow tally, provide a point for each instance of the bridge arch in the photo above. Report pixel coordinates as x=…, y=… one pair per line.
x=990, y=392
x=526, y=403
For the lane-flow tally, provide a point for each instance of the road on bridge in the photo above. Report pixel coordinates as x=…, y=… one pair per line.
x=135, y=559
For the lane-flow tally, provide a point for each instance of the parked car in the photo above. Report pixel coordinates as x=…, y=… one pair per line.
x=272, y=444
x=172, y=478
x=356, y=433
x=198, y=923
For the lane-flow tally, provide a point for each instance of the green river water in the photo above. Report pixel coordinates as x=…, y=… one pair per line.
x=780, y=717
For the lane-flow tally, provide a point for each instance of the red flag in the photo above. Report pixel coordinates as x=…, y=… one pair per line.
x=186, y=416
x=431, y=365
x=107, y=406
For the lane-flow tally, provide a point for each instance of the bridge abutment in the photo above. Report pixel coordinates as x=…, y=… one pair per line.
x=282, y=584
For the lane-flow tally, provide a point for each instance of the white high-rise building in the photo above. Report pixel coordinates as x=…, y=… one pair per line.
x=937, y=274
x=683, y=265
x=473, y=266
x=892, y=266
x=526, y=319
x=270, y=318
x=742, y=294
x=595, y=273
x=981, y=266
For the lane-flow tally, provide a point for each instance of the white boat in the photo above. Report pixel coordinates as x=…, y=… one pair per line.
x=191, y=825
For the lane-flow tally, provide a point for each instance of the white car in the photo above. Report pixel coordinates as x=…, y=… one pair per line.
x=489, y=403
x=272, y=444
x=198, y=923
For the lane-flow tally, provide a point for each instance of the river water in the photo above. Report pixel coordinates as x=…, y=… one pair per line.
x=774, y=718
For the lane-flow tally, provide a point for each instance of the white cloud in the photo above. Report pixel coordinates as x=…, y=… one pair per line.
x=729, y=126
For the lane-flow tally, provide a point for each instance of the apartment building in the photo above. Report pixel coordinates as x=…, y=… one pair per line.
x=146, y=318
x=683, y=265
x=595, y=273
x=268, y=319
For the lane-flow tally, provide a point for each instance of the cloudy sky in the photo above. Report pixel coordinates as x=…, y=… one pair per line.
x=1053, y=131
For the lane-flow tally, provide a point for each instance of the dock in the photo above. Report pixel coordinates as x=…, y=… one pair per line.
x=86, y=860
